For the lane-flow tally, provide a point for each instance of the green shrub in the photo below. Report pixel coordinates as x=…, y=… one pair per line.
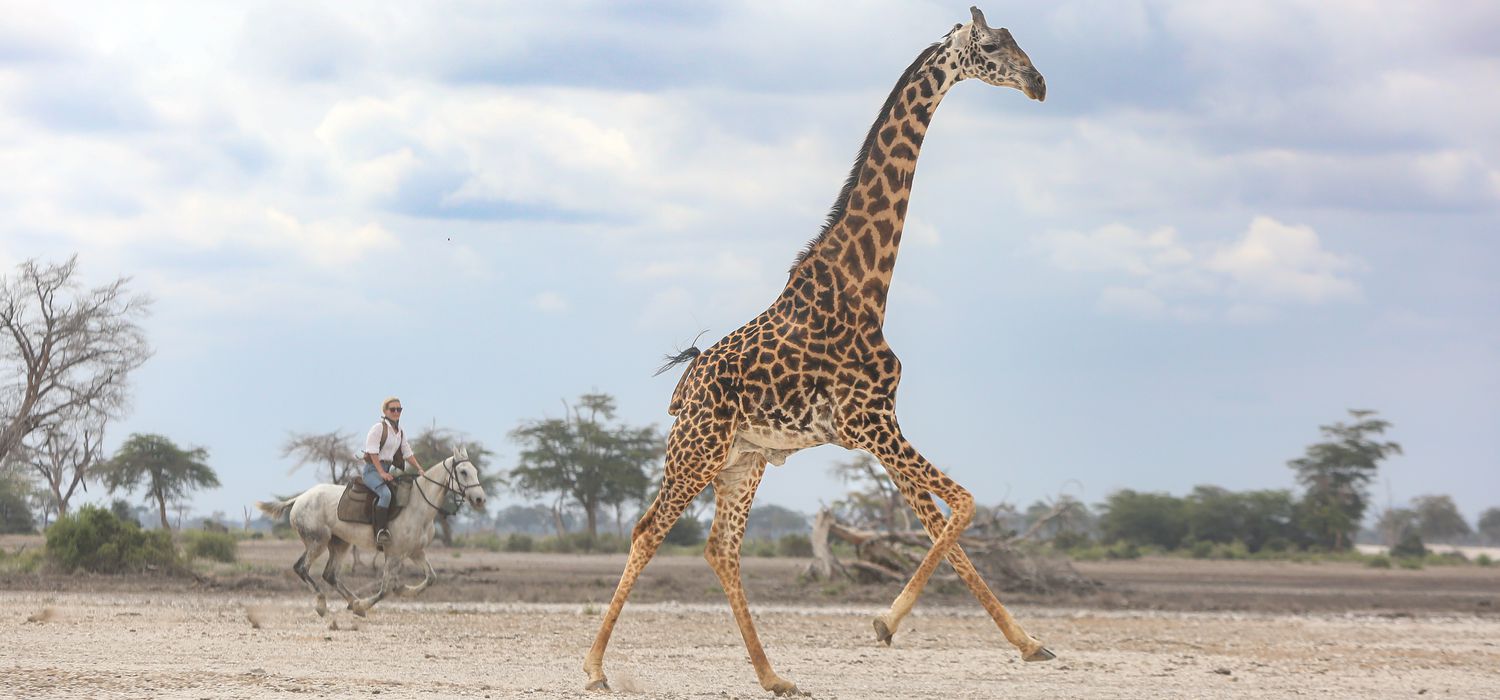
x=22, y=562
x=93, y=539
x=1230, y=550
x=1068, y=539
x=1410, y=563
x=1379, y=561
x=687, y=531
x=1484, y=560
x=1409, y=546
x=488, y=541
x=1123, y=550
x=794, y=545
x=758, y=548
x=218, y=546
x=1202, y=549
x=518, y=542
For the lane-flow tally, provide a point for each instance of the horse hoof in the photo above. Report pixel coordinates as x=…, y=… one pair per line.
x=599, y=685
x=1041, y=654
x=883, y=632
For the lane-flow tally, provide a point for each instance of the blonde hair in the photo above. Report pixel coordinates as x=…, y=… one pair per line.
x=387, y=402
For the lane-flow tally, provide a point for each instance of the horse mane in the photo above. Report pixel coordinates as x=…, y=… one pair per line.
x=841, y=203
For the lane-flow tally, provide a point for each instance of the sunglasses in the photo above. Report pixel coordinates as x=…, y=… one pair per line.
x=394, y=409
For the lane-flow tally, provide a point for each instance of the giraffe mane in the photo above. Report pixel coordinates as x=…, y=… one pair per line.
x=841, y=203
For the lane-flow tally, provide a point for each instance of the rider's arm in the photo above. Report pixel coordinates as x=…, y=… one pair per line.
x=412, y=460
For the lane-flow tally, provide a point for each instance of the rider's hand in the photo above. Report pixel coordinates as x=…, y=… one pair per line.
x=386, y=476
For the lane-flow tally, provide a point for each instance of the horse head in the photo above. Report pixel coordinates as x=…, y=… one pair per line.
x=466, y=476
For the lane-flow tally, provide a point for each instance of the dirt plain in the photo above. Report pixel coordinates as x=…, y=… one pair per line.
x=517, y=625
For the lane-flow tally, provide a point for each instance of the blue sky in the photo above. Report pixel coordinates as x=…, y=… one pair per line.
x=1228, y=223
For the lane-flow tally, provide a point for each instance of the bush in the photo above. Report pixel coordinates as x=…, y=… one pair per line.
x=218, y=546
x=1122, y=550
x=22, y=562
x=1202, y=549
x=758, y=548
x=1484, y=560
x=1069, y=539
x=518, y=542
x=1410, y=563
x=687, y=531
x=488, y=541
x=1409, y=546
x=794, y=545
x=93, y=539
x=1379, y=561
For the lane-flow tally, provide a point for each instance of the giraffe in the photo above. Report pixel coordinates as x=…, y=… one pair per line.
x=814, y=368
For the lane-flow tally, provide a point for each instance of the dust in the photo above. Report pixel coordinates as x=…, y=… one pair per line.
x=256, y=615
x=47, y=614
x=625, y=682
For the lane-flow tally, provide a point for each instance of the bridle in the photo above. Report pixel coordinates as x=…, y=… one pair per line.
x=453, y=491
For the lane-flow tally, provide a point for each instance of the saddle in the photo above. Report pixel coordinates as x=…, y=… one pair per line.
x=357, y=504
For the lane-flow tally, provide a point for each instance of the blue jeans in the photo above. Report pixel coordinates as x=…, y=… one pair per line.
x=375, y=483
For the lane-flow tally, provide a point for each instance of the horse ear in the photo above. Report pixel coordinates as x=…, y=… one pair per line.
x=461, y=452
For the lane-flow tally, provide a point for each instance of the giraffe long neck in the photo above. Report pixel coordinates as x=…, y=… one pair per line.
x=854, y=256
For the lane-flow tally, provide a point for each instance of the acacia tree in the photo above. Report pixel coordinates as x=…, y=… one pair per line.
x=15, y=512
x=165, y=471
x=1489, y=525
x=63, y=454
x=584, y=457
x=873, y=501
x=333, y=451
x=72, y=350
x=1438, y=519
x=1336, y=474
x=1394, y=524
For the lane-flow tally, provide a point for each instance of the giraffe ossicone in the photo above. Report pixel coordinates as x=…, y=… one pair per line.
x=814, y=368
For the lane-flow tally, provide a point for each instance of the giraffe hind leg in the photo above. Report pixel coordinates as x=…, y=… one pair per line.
x=934, y=521
x=734, y=491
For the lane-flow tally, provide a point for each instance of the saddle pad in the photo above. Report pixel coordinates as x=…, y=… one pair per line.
x=358, y=501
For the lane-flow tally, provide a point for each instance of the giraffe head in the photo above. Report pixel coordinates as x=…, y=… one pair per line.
x=993, y=56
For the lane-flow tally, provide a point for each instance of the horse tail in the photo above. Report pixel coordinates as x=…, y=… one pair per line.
x=646, y=519
x=277, y=509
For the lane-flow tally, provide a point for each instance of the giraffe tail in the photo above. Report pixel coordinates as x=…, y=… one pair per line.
x=679, y=358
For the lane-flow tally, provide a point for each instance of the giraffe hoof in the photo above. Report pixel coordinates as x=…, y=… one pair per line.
x=787, y=689
x=1041, y=654
x=599, y=685
x=883, y=633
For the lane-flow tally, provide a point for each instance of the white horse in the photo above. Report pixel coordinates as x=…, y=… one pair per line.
x=314, y=515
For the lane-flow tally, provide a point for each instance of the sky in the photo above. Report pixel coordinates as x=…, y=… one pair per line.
x=1228, y=223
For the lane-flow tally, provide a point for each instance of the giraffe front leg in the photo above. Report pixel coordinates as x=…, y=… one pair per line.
x=883, y=439
x=734, y=491
x=933, y=521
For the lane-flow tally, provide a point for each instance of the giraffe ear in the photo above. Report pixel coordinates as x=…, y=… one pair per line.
x=978, y=17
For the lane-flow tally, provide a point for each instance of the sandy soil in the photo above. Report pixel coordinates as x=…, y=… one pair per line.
x=504, y=625
x=209, y=646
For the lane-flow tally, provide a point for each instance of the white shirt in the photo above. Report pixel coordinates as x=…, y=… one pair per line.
x=394, y=438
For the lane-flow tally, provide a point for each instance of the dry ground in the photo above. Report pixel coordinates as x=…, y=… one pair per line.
x=1161, y=628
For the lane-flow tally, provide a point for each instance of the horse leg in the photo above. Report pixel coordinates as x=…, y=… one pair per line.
x=420, y=557
x=696, y=450
x=313, y=548
x=337, y=548
x=363, y=605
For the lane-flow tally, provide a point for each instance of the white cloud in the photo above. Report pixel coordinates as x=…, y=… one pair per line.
x=1277, y=262
x=1271, y=263
x=549, y=302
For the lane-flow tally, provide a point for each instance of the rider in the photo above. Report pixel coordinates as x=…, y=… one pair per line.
x=382, y=453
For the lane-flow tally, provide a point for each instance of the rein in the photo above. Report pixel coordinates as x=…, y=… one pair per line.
x=454, y=495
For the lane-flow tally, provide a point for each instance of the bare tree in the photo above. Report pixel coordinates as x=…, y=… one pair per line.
x=873, y=499
x=333, y=451
x=62, y=454
x=72, y=350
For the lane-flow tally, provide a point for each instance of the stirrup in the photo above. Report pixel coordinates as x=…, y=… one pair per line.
x=382, y=538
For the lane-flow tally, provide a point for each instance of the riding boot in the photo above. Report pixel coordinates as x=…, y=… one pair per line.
x=380, y=517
